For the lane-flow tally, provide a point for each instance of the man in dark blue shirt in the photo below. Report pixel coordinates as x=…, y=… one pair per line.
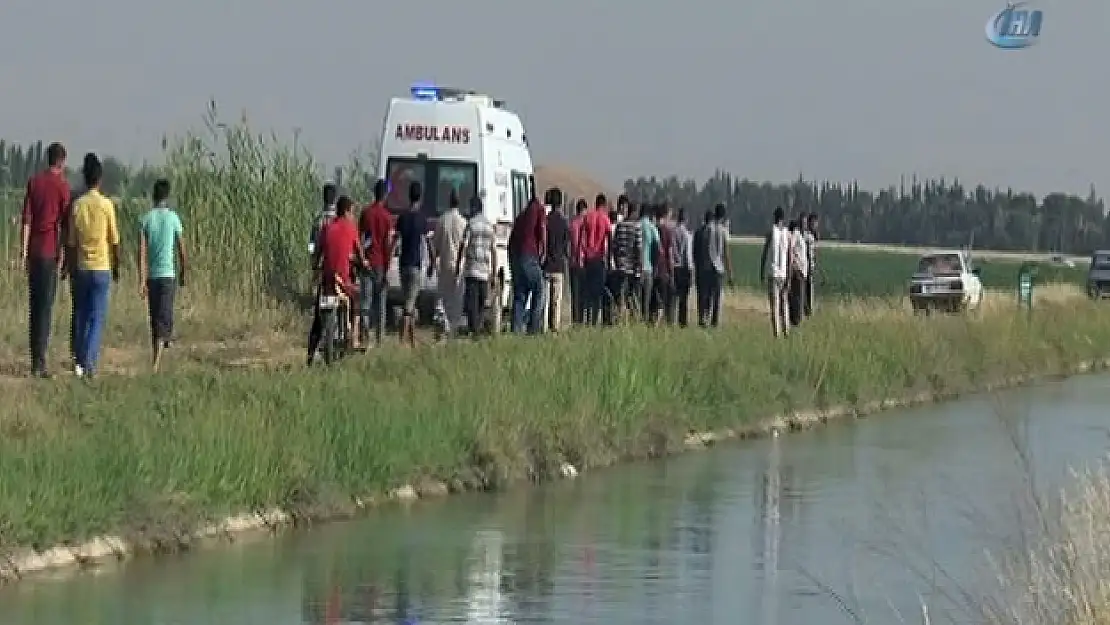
x=411, y=235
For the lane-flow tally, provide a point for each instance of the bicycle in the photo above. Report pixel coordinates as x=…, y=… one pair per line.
x=336, y=321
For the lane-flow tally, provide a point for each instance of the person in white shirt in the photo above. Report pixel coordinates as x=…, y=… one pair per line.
x=447, y=240
x=774, y=268
x=797, y=274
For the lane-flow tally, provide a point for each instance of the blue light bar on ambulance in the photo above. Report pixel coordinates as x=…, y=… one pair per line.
x=424, y=92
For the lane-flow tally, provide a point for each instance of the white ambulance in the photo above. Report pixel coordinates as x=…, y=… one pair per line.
x=462, y=140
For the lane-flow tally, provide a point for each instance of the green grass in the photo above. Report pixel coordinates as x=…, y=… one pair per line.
x=142, y=455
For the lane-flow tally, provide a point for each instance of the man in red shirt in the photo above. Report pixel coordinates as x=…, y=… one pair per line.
x=594, y=242
x=376, y=228
x=338, y=245
x=527, y=245
x=41, y=253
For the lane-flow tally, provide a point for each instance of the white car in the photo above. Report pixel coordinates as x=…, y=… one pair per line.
x=945, y=281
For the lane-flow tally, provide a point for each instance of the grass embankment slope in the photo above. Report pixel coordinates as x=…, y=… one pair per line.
x=143, y=456
x=149, y=456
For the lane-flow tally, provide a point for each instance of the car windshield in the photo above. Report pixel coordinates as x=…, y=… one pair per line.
x=939, y=264
x=1100, y=261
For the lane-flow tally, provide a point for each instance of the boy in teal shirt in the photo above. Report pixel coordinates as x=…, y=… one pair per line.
x=648, y=247
x=160, y=241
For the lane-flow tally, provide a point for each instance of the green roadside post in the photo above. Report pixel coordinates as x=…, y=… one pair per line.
x=1025, y=285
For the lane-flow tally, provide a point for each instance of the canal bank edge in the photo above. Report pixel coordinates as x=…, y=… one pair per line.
x=108, y=548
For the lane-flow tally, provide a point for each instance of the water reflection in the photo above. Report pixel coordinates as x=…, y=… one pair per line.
x=735, y=535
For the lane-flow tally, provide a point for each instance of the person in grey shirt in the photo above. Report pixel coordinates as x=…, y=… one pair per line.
x=716, y=269
x=683, y=266
x=477, y=264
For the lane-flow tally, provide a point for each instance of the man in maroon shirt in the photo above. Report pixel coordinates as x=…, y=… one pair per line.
x=40, y=252
x=527, y=244
x=376, y=228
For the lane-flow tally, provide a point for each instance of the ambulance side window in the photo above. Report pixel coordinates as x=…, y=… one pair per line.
x=521, y=193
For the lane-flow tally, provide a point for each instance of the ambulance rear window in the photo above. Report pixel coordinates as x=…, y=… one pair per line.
x=437, y=177
x=402, y=172
x=462, y=177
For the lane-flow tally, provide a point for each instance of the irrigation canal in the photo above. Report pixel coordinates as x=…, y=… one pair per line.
x=879, y=515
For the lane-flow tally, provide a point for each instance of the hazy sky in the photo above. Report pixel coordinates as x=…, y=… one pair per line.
x=865, y=89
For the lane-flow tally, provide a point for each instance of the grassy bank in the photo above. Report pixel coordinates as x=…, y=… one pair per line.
x=148, y=456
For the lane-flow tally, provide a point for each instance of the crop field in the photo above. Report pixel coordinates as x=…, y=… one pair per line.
x=849, y=271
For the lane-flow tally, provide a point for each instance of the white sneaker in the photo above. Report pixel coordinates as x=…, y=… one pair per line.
x=78, y=371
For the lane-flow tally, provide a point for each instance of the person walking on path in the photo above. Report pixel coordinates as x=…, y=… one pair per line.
x=68, y=269
x=160, y=241
x=628, y=267
x=798, y=268
x=594, y=239
x=683, y=267
x=477, y=264
x=527, y=244
x=411, y=240
x=41, y=250
x=376, y=230
x=774, y=264
x=447, y=240
x=810, y=233
x=556, y=260
x=575, y=261
x=649, y=250
x=94, y=234
x=718, y=267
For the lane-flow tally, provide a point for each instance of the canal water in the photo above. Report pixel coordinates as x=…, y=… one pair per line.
x=855, y=522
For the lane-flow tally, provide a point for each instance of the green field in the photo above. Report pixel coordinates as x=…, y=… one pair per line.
x=848, y=272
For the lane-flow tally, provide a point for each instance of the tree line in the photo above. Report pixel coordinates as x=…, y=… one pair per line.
x=916, y=212
x=938, y=213
x=19, y=162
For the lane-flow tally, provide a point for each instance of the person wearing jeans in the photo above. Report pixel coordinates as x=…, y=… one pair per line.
x=43, y=219
x=376, y=228
x=528, y=296
x=94, y=237
x=527, y=243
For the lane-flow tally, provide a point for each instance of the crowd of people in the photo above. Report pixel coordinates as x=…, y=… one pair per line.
x=74, y=235
x=632, y=262
x=618, y=264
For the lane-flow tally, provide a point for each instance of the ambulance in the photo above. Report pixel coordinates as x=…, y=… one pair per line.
x=456, y=139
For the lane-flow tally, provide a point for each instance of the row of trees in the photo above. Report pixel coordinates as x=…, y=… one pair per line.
x=19, y=162
x=928, y=213
x=921, y=213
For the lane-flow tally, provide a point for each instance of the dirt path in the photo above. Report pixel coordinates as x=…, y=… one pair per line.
x=278, y=350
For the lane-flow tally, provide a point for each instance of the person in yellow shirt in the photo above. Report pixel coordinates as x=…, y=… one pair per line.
x=94, y=239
